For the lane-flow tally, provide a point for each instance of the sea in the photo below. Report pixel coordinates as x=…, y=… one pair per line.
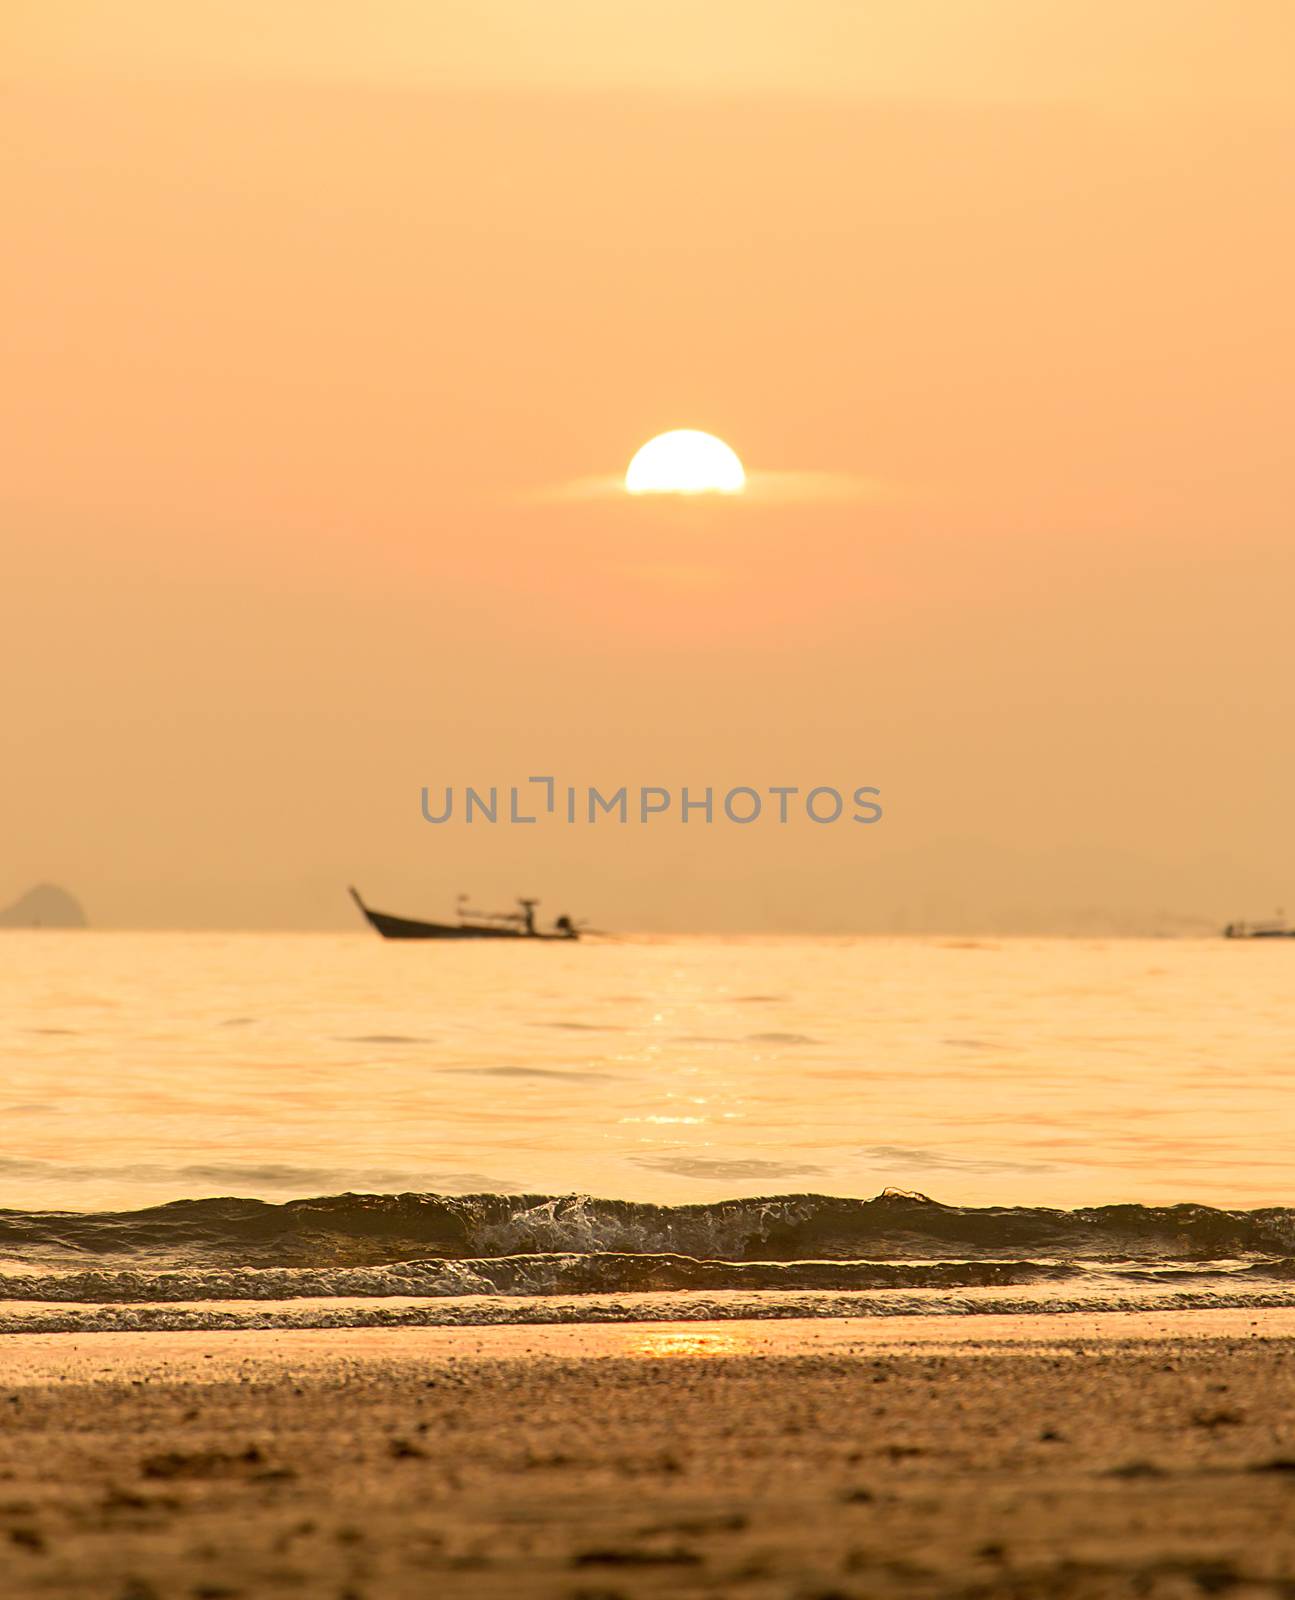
x=276, y=1130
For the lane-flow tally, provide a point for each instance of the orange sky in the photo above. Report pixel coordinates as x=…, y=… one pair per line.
x=309, y=317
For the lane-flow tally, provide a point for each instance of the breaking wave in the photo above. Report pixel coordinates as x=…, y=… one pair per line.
x=436, y=1260
x=381, y=1229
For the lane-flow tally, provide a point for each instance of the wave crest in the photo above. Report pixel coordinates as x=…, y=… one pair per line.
x=382, y=1229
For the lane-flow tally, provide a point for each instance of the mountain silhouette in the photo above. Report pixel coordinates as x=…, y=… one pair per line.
x=45, y=906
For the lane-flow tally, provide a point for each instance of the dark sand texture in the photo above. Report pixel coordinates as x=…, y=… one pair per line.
x=1042, y=1457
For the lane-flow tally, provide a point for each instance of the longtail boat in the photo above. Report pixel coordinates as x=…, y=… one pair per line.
x=519, y=924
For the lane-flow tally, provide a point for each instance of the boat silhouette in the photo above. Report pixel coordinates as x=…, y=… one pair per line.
x=1275, y=928
x=519, y=924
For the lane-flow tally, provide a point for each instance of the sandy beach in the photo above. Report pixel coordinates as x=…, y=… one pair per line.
x=1149, y=1455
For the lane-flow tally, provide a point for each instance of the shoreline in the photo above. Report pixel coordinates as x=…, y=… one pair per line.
x=199, y=1353
x=456, y=1314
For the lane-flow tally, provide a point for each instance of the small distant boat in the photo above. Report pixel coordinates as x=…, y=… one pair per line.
x=519, y=924
x=1275, y=928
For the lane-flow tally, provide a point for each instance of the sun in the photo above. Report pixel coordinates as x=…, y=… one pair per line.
x=685, y=461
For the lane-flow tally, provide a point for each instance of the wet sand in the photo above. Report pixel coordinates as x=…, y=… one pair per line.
x=1078, y=1456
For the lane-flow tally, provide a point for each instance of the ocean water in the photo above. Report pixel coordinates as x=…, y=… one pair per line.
x=290, y=1129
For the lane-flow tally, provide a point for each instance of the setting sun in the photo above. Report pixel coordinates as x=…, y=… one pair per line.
x=685, y=461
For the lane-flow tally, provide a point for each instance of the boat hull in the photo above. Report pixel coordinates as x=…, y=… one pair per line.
x=409, y=928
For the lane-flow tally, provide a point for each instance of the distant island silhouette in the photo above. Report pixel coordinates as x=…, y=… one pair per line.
x=45, y=906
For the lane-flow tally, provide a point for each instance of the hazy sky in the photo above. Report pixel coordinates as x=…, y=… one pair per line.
x=312, y=312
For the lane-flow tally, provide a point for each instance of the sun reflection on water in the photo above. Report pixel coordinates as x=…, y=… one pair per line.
x=686, y=1342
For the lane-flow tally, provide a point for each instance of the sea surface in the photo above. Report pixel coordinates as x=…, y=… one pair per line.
x=259, y=1130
